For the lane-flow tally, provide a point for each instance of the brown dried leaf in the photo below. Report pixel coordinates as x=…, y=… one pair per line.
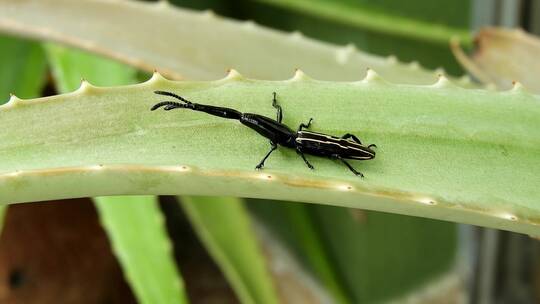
x=502, y=57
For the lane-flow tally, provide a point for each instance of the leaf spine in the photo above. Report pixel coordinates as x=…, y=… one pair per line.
x=414, y=65
x=344, y=54
x=296, y=35
x=162, y=4
x=85, y=86
x=440, y=71
x=517, y=87
x=391, y=59
x=443, y=82
x=233, y=74
x=372, y=77
x=299, y=75
x=249, y=24
x=12, y=102
x=156, y=78
x=208, y=14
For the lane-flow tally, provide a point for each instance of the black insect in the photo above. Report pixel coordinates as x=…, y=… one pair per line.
x=304, y=142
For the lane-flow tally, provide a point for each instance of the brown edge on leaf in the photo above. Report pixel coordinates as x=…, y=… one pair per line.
x=466, y=62
x=288, y=181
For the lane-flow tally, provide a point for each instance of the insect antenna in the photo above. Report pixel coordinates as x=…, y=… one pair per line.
x=169, y=105
x=170, y=94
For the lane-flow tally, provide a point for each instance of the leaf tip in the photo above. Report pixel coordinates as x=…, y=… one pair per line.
x=344, y=54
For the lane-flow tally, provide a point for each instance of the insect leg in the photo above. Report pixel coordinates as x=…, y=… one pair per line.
x=279, y=115
x=299, y=151
x=168, y=105
x=170, y=94
x=354, y=138
x=372, y=145
x=357, y=173
x=261, y=164
x=303, y=125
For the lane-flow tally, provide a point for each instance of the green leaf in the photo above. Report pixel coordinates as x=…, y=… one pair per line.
x=22, y=68
x=334, y=30
x=187, y=44
x=134, y=224
x=295, y=224
x=366, y=243
x=371, y=254
x=224, y=226
x=444, y=152
x=139, y=239
x=71, y=66
x=367, y=17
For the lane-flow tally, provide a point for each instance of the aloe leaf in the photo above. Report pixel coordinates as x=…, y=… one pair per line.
x=224, y=226
x=22, y=72
x=334, y=30
x=23, y=68
x=296, y=225
x=367, y=17
x=70, y=66
x=187, y=44
x=444, y=152
x=396, y=250
x=371, y=254
x=292, y=280
x=136, y=228
x=134, y=224
x=502, y=57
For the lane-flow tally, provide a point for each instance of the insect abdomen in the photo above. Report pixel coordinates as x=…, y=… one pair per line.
x=330, y=146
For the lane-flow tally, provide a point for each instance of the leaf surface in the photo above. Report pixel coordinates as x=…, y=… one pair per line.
x=444, y=152
x=224, y=226
x=135, y=226
x=186, y=44
x=367, y=17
